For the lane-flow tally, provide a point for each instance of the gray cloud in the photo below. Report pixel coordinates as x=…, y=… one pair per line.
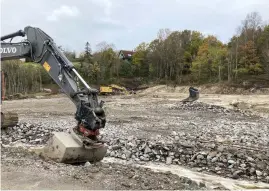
x=125, y=23
x=63, y=12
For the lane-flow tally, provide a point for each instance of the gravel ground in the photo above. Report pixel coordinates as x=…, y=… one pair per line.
x=28, y=171
x=208, y=138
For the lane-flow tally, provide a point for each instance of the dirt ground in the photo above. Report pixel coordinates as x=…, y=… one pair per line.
x=22, y=170
x=255, y=102
x=148, y=114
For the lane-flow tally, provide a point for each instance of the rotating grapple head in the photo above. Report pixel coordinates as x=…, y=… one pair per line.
x=90, y=119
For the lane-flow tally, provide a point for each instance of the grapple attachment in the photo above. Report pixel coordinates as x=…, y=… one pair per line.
x=193, y=95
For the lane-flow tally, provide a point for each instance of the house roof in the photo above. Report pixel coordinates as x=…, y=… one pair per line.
x=127, y=53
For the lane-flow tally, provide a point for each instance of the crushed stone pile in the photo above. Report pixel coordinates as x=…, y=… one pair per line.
x=223, y=160
x=29, y=133
x=226, y=159
x=199, y=106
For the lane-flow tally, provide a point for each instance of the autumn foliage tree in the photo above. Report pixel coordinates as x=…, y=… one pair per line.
x=210, y=59
x=249, y=61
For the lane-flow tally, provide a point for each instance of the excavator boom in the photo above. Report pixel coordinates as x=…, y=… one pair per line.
x=40, y=48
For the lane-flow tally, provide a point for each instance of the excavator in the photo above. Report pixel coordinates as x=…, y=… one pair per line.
x=82, y=143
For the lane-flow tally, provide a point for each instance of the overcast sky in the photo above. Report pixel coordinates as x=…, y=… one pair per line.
x=125, y=23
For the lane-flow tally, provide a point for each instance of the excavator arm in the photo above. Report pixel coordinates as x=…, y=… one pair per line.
x=40, y=48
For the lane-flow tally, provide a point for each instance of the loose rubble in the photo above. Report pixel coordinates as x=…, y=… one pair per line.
x=199, y=106
x=222, y=160
x=28, y=133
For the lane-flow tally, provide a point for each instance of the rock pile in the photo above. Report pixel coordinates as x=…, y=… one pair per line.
x=221, y=158
x=234, y=163
x=199, y=106
x=28, y=133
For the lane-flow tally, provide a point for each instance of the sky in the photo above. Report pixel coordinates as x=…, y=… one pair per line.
x=125, y=23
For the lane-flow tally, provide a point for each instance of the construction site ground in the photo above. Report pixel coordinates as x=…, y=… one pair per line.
x=222, y=142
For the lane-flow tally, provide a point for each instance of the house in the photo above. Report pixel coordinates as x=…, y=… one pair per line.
x=126, y=54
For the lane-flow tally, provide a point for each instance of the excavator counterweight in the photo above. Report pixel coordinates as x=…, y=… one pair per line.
x=40, y=48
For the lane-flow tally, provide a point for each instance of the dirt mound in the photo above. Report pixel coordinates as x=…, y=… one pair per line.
x=155, y=89
x=205, y=89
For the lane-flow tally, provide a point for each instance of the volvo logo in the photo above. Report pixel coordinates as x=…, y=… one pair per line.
x=8, y=50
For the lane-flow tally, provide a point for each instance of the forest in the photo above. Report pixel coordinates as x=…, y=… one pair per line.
x=174, y=57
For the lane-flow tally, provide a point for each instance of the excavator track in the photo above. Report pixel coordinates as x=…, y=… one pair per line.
x=9, y=119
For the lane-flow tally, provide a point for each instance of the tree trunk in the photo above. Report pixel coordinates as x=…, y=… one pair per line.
x=40, y=80
x=219, y=74
x=230, y=68
x=236, y=58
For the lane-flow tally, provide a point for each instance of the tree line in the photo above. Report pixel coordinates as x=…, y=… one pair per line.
x=189, y=56
x=178, y=57
x=182, y=56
